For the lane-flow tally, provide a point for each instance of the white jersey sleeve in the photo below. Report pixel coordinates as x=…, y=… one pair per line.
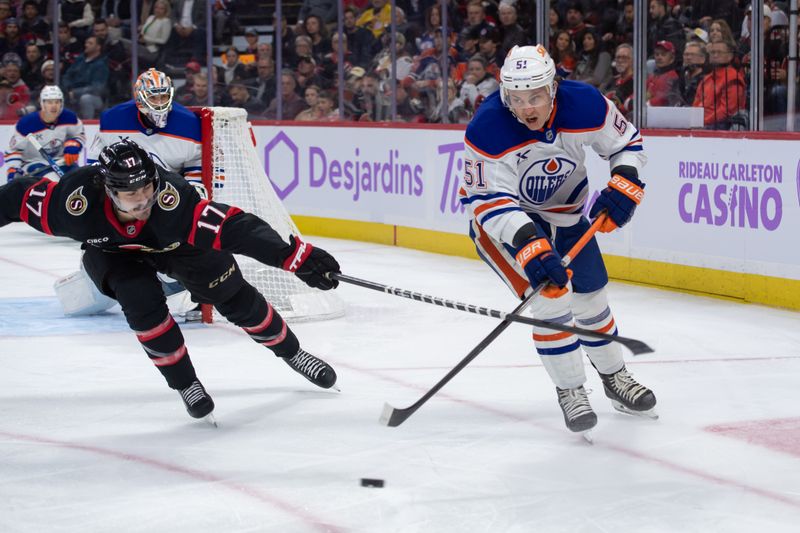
x=619, y=141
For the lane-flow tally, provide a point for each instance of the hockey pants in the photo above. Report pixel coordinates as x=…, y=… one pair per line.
x=211, y=277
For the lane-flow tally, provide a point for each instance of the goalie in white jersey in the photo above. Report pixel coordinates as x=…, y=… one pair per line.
x=525, y=187
x=168, y=131
x=58, y=131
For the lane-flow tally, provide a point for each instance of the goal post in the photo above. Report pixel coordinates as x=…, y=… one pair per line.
x=233, y=174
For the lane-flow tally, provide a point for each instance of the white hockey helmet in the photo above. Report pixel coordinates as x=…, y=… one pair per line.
x=525, y=68
x=153, y=93
x=50, y=92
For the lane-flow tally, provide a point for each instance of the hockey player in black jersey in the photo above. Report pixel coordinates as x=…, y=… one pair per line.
x=134, y=219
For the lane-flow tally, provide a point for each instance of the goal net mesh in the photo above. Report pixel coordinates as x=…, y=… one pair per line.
x=234, y=175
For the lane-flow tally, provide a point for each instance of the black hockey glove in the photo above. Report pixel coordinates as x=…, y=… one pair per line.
x=312, y=265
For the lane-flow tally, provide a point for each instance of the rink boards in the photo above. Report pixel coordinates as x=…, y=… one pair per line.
x=717, y=218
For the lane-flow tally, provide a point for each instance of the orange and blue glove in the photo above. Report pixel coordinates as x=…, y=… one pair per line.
x=619, y=200
x=72, y=150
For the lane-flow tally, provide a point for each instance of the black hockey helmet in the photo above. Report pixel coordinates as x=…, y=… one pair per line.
x=127, y=167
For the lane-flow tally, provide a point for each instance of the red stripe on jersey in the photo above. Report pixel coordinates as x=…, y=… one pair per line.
x=25, y=210
x=228, y=214
x=519, y=283
x=45, y=206
x=136, y=226
x=198, y=210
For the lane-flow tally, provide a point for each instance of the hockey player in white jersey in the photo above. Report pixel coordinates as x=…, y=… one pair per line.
x=525, y=187
x=58, y=131
x=168, y=131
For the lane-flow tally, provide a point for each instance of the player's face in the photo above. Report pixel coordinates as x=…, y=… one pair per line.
x=138, y=203
x=531, y=106
x=158, y=100
x=51, y=109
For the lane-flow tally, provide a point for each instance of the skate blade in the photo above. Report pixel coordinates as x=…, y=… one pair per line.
x=651, y=414
x=210, y=420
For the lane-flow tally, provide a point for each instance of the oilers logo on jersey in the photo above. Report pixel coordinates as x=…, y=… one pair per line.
x=543, y=178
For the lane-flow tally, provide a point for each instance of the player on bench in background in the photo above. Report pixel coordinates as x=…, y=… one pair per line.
x=135, y=219
x=59, y=131
x=526, y=188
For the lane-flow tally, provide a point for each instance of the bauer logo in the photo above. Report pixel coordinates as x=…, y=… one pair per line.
x=543, y=178
x=282, y=153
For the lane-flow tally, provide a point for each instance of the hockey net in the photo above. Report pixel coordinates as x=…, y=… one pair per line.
x=234, y=175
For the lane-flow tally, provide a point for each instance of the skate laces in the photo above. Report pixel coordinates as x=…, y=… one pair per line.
x=574, y=402
x=193, y=393
x=627, y=387
x=307, y=364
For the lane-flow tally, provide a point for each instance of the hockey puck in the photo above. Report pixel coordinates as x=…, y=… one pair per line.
x=368, y=482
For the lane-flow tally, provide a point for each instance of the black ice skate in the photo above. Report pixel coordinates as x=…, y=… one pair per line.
x=629, y=396
x=578, y=414
x=198, y=403
x=312, y=368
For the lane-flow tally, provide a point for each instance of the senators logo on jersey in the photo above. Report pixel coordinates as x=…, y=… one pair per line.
x=168, y=199
x=76, y=202
x=543, y=178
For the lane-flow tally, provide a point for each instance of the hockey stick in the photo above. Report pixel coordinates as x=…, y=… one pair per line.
x=393, y=417
x=39, y=148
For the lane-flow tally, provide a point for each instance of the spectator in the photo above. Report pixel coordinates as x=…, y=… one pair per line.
x=184, y=93
x=288, y=39
x=695, y=61
x=704, y=11
x=262, y=86
x=251, y=38
x=199, y=94
x=663, y=85
x=307, y=74
x=489, y=48
x=240, y=97
x=154, y=34
x=457, y=112
x=360, y=41
x=32, y=26
x=10, y=107
x=85, y=82
x=13, y=74
x=325, y=107
x=32, y=67
x=720, y=31
x=476, y=24
x=5, y=14
x=383, y=61
x=377, y=18
x=594, y=64
x=12, y=40
x=722, y=92
x=292, y=103
x=576, y=25
x=188, y=38
x=224, y=18
x=555, y=20
x=326, y=10
x=265, y=50
x=564, y=54
x=302, y=48
x=311, y=97
x=320, y=41
x=662, y=27
x=409, y=109
x=117, y=14
x=620, y=91
x=511, y=33
x=119, y=61
x=623, y=29
x=478, y=83
x=69, y=47
x=329, y=70
x=78, y=15
x=233, y=69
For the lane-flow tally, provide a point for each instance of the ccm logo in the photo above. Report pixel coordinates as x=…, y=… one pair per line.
x=223, y=277
x=631, y=190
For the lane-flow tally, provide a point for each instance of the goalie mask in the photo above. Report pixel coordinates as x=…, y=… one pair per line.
x=153, y=93
x=127, y=167
x=527, y=68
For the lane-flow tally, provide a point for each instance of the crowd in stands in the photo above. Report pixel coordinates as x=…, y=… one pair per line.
x=698, y=55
